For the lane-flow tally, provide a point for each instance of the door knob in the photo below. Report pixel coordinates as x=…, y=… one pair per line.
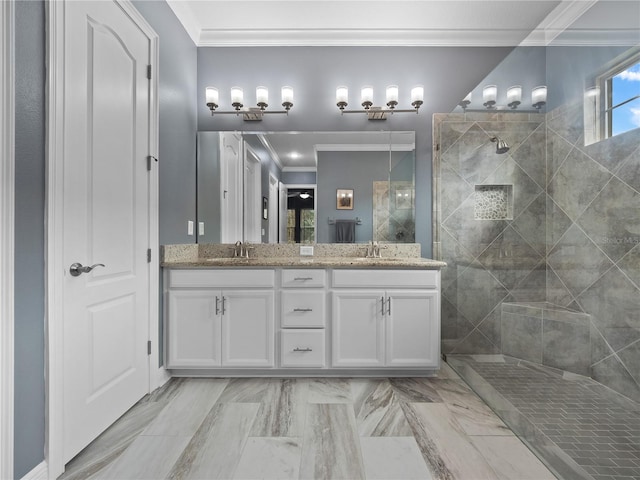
x=76, y=269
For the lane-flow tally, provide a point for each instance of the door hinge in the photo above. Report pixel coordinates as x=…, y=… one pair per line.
x=149, y=72
x=148, y=255
x=149, y=158
x=149, y=347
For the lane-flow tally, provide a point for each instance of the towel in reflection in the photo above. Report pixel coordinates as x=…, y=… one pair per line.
x=345, y=231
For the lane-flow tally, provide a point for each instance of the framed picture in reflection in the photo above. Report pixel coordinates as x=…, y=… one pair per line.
x=344, y=199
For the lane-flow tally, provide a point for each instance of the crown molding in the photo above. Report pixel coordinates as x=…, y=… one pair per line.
x=361, y=37
x=557, y=21
x=274, y=155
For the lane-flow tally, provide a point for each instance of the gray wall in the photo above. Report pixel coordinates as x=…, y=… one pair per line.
x=178, y=128
x=208, y=190
x=299, y=178
x=177, y=185
x=29, y=237
x=315, y=72
x=351, y=170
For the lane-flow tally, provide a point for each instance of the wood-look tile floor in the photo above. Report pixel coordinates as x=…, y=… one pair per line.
x=309, y=428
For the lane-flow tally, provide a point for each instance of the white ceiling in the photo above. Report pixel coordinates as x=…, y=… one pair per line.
x=378, y=22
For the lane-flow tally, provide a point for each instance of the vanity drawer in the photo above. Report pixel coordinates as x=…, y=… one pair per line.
x=302, y=348
x=303, y=278
x=303, y=308
x=221, y=278
x=386, y=278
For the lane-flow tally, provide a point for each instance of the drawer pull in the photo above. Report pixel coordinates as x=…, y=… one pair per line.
x=303, y=309
x=306, y=349
x=300, y=279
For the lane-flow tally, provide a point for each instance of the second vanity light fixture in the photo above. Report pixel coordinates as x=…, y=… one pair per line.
x=514, y=97
x=379, y=113
x=254, y=114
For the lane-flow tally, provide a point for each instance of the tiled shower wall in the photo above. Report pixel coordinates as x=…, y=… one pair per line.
x=489, y=261
x=574, y=240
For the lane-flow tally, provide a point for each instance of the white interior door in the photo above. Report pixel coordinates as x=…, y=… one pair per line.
x=231, y=187
x=105, y=218
x=273, y=209
x=252, y=196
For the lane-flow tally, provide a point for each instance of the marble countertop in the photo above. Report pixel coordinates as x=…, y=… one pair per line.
x=310, y=262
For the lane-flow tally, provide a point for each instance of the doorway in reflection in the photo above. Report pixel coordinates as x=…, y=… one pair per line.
x=301, y=226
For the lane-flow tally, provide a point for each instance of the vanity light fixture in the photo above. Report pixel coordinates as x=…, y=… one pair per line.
x=379, y=113
x=514, y=98
x=254, y=114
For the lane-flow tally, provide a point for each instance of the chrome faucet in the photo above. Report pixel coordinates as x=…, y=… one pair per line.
x=373, y=250
x=241, y=250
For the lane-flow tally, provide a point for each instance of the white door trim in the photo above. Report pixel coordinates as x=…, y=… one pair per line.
x=54, y=239
x=7, y=185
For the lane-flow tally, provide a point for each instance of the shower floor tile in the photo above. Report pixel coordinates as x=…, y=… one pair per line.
x=578, y=427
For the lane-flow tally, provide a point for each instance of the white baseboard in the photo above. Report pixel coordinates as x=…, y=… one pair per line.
x=40, y=472
x=163, y=377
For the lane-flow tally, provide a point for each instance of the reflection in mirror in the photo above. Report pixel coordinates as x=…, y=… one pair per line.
x=237, y=170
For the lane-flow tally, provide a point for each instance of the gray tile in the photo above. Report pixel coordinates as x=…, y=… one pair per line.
x=491, y=326
x=473, y=156
x=566, y=346
x=454, y=325
x=269, y=459
x=613, y=152
x=473, y=235
x=416, y=390
x=612, y=303
x=283, y=408
x=454, y=190
x=214, y=451
x=612, y=373
x=612, y=220
x=476, y=343
x=557, y=292
x=523, y=309
x=630, y=358
x=480, y=294
x=451, y=131
x=567, y=122
x=557, y=150
x=329, y=390
x=577, y=261
x=577, y=182
x=531, y=155
x=525, y=190
x=630, y=264
x=377, y=409
x=557, y=223
x=331, y=447
x=509, y=258
x=456, y=256
x=531, y=224
x=244, y=390
x=533, y=288
x=393, y=458
x=522, y=337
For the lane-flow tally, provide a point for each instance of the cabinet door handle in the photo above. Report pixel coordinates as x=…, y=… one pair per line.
x=303, y=309
x=383, y=302
x=217, y=305
x=224, y=307
x=303, y=278
x=389, y=306
x=305, y=349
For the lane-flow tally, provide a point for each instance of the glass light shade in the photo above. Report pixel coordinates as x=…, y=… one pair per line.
x=236, y=95
x=342, y=95
x=262, y=95
x=287, y=95
x=490, y=93
x=211, y=94
x=417, y=94
x=514, y=94
x=366, y=95
x=539, y=95
x=392, y=93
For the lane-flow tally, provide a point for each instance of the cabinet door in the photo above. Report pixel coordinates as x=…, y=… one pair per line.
x=247, y=328
x=357, y=332
x=413, y=329
x=193, y=329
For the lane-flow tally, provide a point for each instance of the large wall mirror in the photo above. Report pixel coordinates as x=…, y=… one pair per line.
x=306, y=187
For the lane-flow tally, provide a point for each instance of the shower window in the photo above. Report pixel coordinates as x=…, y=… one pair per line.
x=621, y=89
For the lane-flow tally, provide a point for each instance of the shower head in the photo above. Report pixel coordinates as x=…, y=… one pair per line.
x=502, y=146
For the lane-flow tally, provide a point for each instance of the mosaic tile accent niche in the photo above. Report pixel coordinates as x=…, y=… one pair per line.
x=493, y=202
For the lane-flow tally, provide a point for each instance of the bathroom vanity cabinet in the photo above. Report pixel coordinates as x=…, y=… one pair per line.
x=297, y=321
